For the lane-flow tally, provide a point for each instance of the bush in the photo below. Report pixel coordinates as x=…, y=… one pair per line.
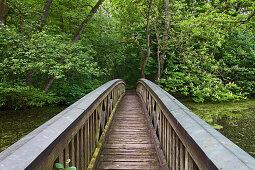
x=24, y=97
x=201, y=87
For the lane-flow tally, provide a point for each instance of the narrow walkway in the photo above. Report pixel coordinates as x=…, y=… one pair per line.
x=129, y=144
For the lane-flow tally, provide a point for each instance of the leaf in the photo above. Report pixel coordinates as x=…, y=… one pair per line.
x=59, y=166
x=217, y=127
x=68, y=161
x=71, y=168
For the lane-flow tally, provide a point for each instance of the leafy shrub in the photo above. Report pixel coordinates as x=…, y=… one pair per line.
x=67, y=92
x=239, y=56
x=201, y=87
x=23, y=97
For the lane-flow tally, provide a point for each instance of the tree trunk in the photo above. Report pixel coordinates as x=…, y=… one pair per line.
x=148, y=40
x=49, y=83
x=86, y=21
x=45, y=14
x=158, y=53
x=3, y=12
x=165, y=39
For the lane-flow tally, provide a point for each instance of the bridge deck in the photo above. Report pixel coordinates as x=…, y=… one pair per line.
x=129, y=144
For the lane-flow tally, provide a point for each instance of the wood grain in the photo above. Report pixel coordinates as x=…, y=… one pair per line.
x=129, y=144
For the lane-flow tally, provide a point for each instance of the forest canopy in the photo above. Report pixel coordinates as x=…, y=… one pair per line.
x=55, y=52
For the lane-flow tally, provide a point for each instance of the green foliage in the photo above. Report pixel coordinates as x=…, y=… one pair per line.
x=68, y=91
x=200, y=86
x=239, y=56
x=23, y=97
x=210, y=53
x=61, y=166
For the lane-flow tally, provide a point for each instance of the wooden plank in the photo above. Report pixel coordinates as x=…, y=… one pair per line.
x=135, y=146
x=173, y=151
x=191, y=163
x=163, y=135
x=72, y=153
x=77, y=150
x=129, y=152
x=129, y=144
x=170, y=147
x=167, y=155
x=93, y=131
x=177, y=158
x=186, y=159
x=86, y=140
x=131, y=158
x=82, y=148
x=90, y=128
x=182, y=160
x=127, y=165
x=67, y=154
x=61, y=158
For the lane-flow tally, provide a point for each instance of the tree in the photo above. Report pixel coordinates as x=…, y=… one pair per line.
x=162, y=56
x=3, y=12
x=147, y=39
x=86, y=21
x=45, y=14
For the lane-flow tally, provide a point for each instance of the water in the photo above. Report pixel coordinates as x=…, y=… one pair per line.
x=235, y=120
x=15, y=124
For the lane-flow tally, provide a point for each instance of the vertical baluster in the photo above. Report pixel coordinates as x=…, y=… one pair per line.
x=162, y=130
x=97, y=123
x=177, y=158
x=77, y=150
x=52, y=167
x=167, y=141
x=173, y=150
x=93, y=131
x=86, y=140
x=112, y=98
x=191, y=163
x=170, y=147
x=61, y=158
x=181, y=156
x=67, y=155
x=90, y=136
x=186, y=159
x=115, y=96
x=82, y=149
x=72, y=152
x=164, y=134
x=160, y=126
x=165, y=127
x=108, y=108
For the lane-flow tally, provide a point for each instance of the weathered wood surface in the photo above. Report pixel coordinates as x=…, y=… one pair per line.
x=187, y=141
x=72, y=134
x=129, y=144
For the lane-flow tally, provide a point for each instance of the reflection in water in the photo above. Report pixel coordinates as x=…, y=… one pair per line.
x=235, y=120
x=15, y=124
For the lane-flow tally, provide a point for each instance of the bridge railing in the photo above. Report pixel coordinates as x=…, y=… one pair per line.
x=74, y=133
x=187, y=141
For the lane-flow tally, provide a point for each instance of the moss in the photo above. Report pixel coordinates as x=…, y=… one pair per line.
x=235, y=120
x=94, y=158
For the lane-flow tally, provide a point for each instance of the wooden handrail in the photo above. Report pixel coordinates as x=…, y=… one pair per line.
x=74, y=133
x=187, y=141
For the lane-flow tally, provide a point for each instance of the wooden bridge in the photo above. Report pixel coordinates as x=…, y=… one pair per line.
x=113, y=129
